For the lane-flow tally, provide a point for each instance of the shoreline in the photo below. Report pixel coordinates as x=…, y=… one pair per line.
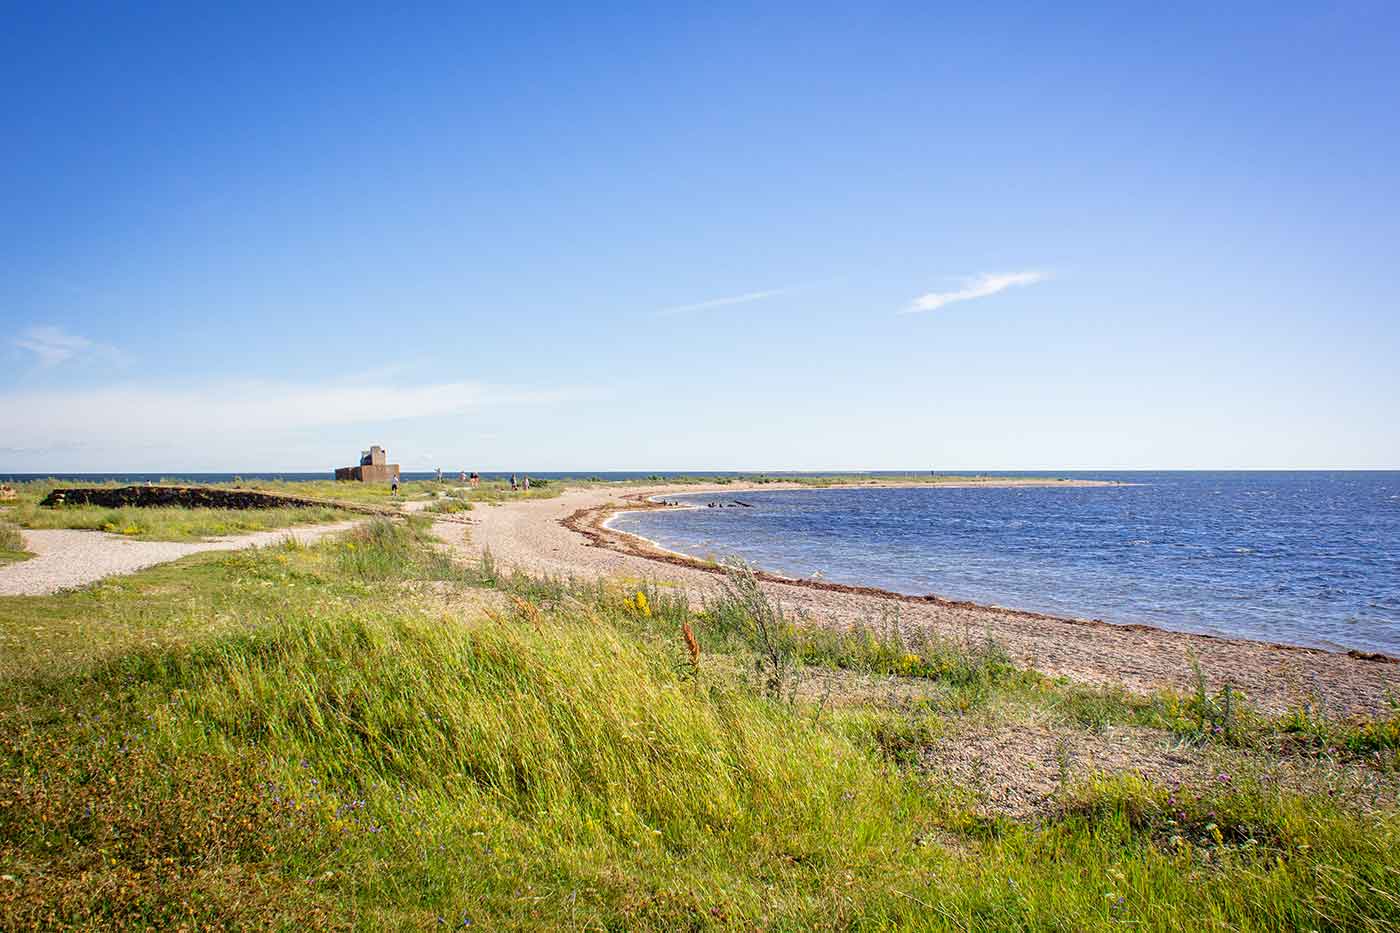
x=567, y=536
x=654, y=550
x=651, y=550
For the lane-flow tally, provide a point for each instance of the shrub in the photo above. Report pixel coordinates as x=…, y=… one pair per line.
x=743, y=610
x=448, y=506
x=10, y=538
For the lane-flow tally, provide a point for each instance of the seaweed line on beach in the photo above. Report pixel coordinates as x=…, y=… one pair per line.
x=591, y=523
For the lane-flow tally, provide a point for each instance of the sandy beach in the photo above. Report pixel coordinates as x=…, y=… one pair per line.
x=568, y=536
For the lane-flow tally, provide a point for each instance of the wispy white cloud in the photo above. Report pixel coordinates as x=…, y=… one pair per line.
x=982, y=286
x=731, y=300
x=231, y=415
x=51, y=345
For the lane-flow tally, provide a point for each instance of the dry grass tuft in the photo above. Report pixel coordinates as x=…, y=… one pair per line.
x=691, y=645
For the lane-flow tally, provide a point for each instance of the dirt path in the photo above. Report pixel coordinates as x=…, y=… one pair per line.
x=531, y=535
x=65, y=558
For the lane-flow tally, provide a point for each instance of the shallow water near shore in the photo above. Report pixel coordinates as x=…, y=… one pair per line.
x=1306, y=558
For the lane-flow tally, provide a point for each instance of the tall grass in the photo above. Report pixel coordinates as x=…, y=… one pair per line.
x=292, y=741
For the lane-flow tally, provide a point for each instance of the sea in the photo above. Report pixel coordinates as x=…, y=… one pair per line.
x=1305, y=558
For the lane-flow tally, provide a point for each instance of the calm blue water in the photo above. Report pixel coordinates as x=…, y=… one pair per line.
x=1304, y=558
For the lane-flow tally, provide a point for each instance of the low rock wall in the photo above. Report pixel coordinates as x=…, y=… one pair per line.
x=188, y=497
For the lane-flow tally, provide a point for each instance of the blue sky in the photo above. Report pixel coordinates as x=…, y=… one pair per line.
x=778, y=237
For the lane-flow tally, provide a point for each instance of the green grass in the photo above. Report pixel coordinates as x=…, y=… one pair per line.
x=290, y=737
x=960, y=674
x=173, y=523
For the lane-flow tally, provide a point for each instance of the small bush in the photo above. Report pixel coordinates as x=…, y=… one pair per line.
x=449, y=506
x=10, y=538
x=743, y=610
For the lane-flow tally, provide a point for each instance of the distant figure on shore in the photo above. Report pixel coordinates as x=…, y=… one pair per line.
x=512, y=482
x=527, y=482
x=394, y=485
x=476, y=480
x=462, y=476
x=439, y=474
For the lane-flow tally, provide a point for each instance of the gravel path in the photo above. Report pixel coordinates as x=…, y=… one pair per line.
x=65, y=558
x=529, y=534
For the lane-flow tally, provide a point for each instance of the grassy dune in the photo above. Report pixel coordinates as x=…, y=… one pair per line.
x=361, y=734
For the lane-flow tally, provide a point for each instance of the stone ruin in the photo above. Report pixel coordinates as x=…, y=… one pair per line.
x=372, y=468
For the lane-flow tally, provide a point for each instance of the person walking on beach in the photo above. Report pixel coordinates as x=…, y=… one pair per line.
x=512, y=482
x=527, y=482
x=394, y=485
x=462, y=477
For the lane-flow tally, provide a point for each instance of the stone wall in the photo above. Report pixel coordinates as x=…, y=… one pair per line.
x=179, y=496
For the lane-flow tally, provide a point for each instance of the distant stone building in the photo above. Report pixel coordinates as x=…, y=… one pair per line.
x=372, y=468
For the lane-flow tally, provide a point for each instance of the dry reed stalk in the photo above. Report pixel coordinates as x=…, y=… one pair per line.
x=691, y=645
x=527, y=609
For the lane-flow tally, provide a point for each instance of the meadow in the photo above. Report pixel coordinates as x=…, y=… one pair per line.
x=363, y=734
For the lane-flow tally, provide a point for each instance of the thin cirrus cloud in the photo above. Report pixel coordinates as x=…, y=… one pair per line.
x=983, y=286
x=53, y=346
x=731, y=300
